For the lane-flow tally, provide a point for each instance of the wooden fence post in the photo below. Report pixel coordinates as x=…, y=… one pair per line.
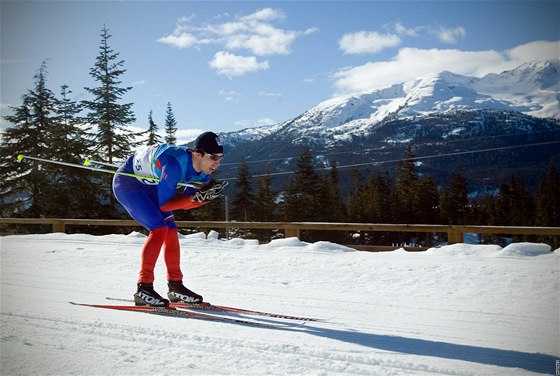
x=454, y=236
x=291, y=231
x=58, y=225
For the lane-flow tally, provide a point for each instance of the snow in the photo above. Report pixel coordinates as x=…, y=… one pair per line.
x=461, y=309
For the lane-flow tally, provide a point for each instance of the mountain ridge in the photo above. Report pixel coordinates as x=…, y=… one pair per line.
x=468, y=113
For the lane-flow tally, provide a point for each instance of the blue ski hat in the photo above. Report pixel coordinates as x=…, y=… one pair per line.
x=208, y=142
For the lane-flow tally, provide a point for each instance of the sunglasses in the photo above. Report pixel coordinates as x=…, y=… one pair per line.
x=215, y=157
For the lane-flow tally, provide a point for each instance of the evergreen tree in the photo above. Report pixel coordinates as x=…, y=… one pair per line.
x=113, y=141
x=300, y=201
x=427, y=201
x=514, y=205
x=405, y=190
x=548, y=199
x=170, y=126
x=454, y=201
x=243, y=200
x=265, y=200
x=153, y=137
x=25, y=186
x=265, y=206
x=68, y=141
x=333, y=205
x=356, y=210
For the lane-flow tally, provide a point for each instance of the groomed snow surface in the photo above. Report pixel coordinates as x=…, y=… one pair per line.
x=456, y=310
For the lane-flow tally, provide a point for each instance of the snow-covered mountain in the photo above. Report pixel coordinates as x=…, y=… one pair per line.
x=439, y=114
x=530, y=89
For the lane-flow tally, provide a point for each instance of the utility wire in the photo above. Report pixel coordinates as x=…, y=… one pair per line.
x=415, y=158
x=396, y=147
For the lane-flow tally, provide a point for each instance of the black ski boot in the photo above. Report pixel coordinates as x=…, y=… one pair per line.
x=147, y=296
x=179, y=293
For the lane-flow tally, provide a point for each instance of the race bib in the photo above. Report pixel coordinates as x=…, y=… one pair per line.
x=144, y=163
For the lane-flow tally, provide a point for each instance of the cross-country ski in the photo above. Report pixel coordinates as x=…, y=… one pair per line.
x=204, y=306
x=174, y=312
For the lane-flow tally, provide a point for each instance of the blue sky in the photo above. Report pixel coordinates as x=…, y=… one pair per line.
x=229, y=65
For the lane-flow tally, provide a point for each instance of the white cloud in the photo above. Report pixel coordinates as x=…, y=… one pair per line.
x=139, y=83
x=269, y=94
x=265, y=121
x=254, y=32
x=231, y=65
x=402, y=30
x=411, y=63
x=450, y=35
x=230, y=96
x=265, y=14
x=179, y=40
x=185, y=136
x=367, y=42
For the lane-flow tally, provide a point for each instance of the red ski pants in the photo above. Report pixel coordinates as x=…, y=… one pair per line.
x=169, y=239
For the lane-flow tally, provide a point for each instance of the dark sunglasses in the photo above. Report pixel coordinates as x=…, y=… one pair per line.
x=215, y=157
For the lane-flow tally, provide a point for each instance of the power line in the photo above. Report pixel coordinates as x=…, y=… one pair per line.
x=363, y=151
x=415, y=158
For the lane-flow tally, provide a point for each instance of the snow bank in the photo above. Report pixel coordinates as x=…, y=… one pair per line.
x=514, y=249
x=526, y=249
x=455, y=310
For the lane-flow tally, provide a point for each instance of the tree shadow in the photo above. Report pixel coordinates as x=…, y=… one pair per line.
x=534, y=362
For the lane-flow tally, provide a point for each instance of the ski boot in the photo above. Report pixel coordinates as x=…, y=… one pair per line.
x=147, y=296
x=179, y=293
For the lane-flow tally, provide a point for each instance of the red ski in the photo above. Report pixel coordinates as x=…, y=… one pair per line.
x=174, y=312
x=211, y=307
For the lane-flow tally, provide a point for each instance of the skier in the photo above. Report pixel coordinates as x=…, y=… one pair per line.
x=150, y=203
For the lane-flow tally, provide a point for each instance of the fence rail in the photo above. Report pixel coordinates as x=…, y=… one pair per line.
x=455, y=233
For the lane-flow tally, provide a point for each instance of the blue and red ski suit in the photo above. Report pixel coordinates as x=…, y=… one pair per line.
x=150, y=202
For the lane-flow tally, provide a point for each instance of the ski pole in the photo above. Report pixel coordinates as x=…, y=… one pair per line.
x=88, y=162
x=87, y=167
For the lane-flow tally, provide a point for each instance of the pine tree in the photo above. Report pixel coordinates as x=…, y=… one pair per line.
x=25, y=186
x=514, y=205
x=454, y=201
x=265, y=200
x=405, y=190
x=300, y=201
x=548, y=199
x=68, y=141
x=113, y=141
x=153, y=137
x=243, y=200
x=265, y=207
x=170, y=126
x=334, y=209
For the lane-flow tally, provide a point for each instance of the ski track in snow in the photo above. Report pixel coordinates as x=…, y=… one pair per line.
x=459, y=310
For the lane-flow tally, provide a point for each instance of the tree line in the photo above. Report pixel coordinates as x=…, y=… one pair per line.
x=53, y=126
x=407, y=198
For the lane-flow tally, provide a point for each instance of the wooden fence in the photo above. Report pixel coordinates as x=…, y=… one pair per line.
x=455, y=233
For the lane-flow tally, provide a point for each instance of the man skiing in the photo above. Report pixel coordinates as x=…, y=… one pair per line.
x=150, y=203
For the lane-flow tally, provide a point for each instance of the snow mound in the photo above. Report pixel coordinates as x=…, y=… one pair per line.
x=279, y=244
x=526, y=249
x=462, y=249
x=195, y=236
x=329, y=247
x=135, y=235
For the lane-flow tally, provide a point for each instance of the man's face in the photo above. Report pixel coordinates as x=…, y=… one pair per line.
x=208, y=163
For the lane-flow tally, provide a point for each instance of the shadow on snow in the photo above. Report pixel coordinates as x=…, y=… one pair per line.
x=534, y=362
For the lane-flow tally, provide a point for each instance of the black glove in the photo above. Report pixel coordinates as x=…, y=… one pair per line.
x=210, y=191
